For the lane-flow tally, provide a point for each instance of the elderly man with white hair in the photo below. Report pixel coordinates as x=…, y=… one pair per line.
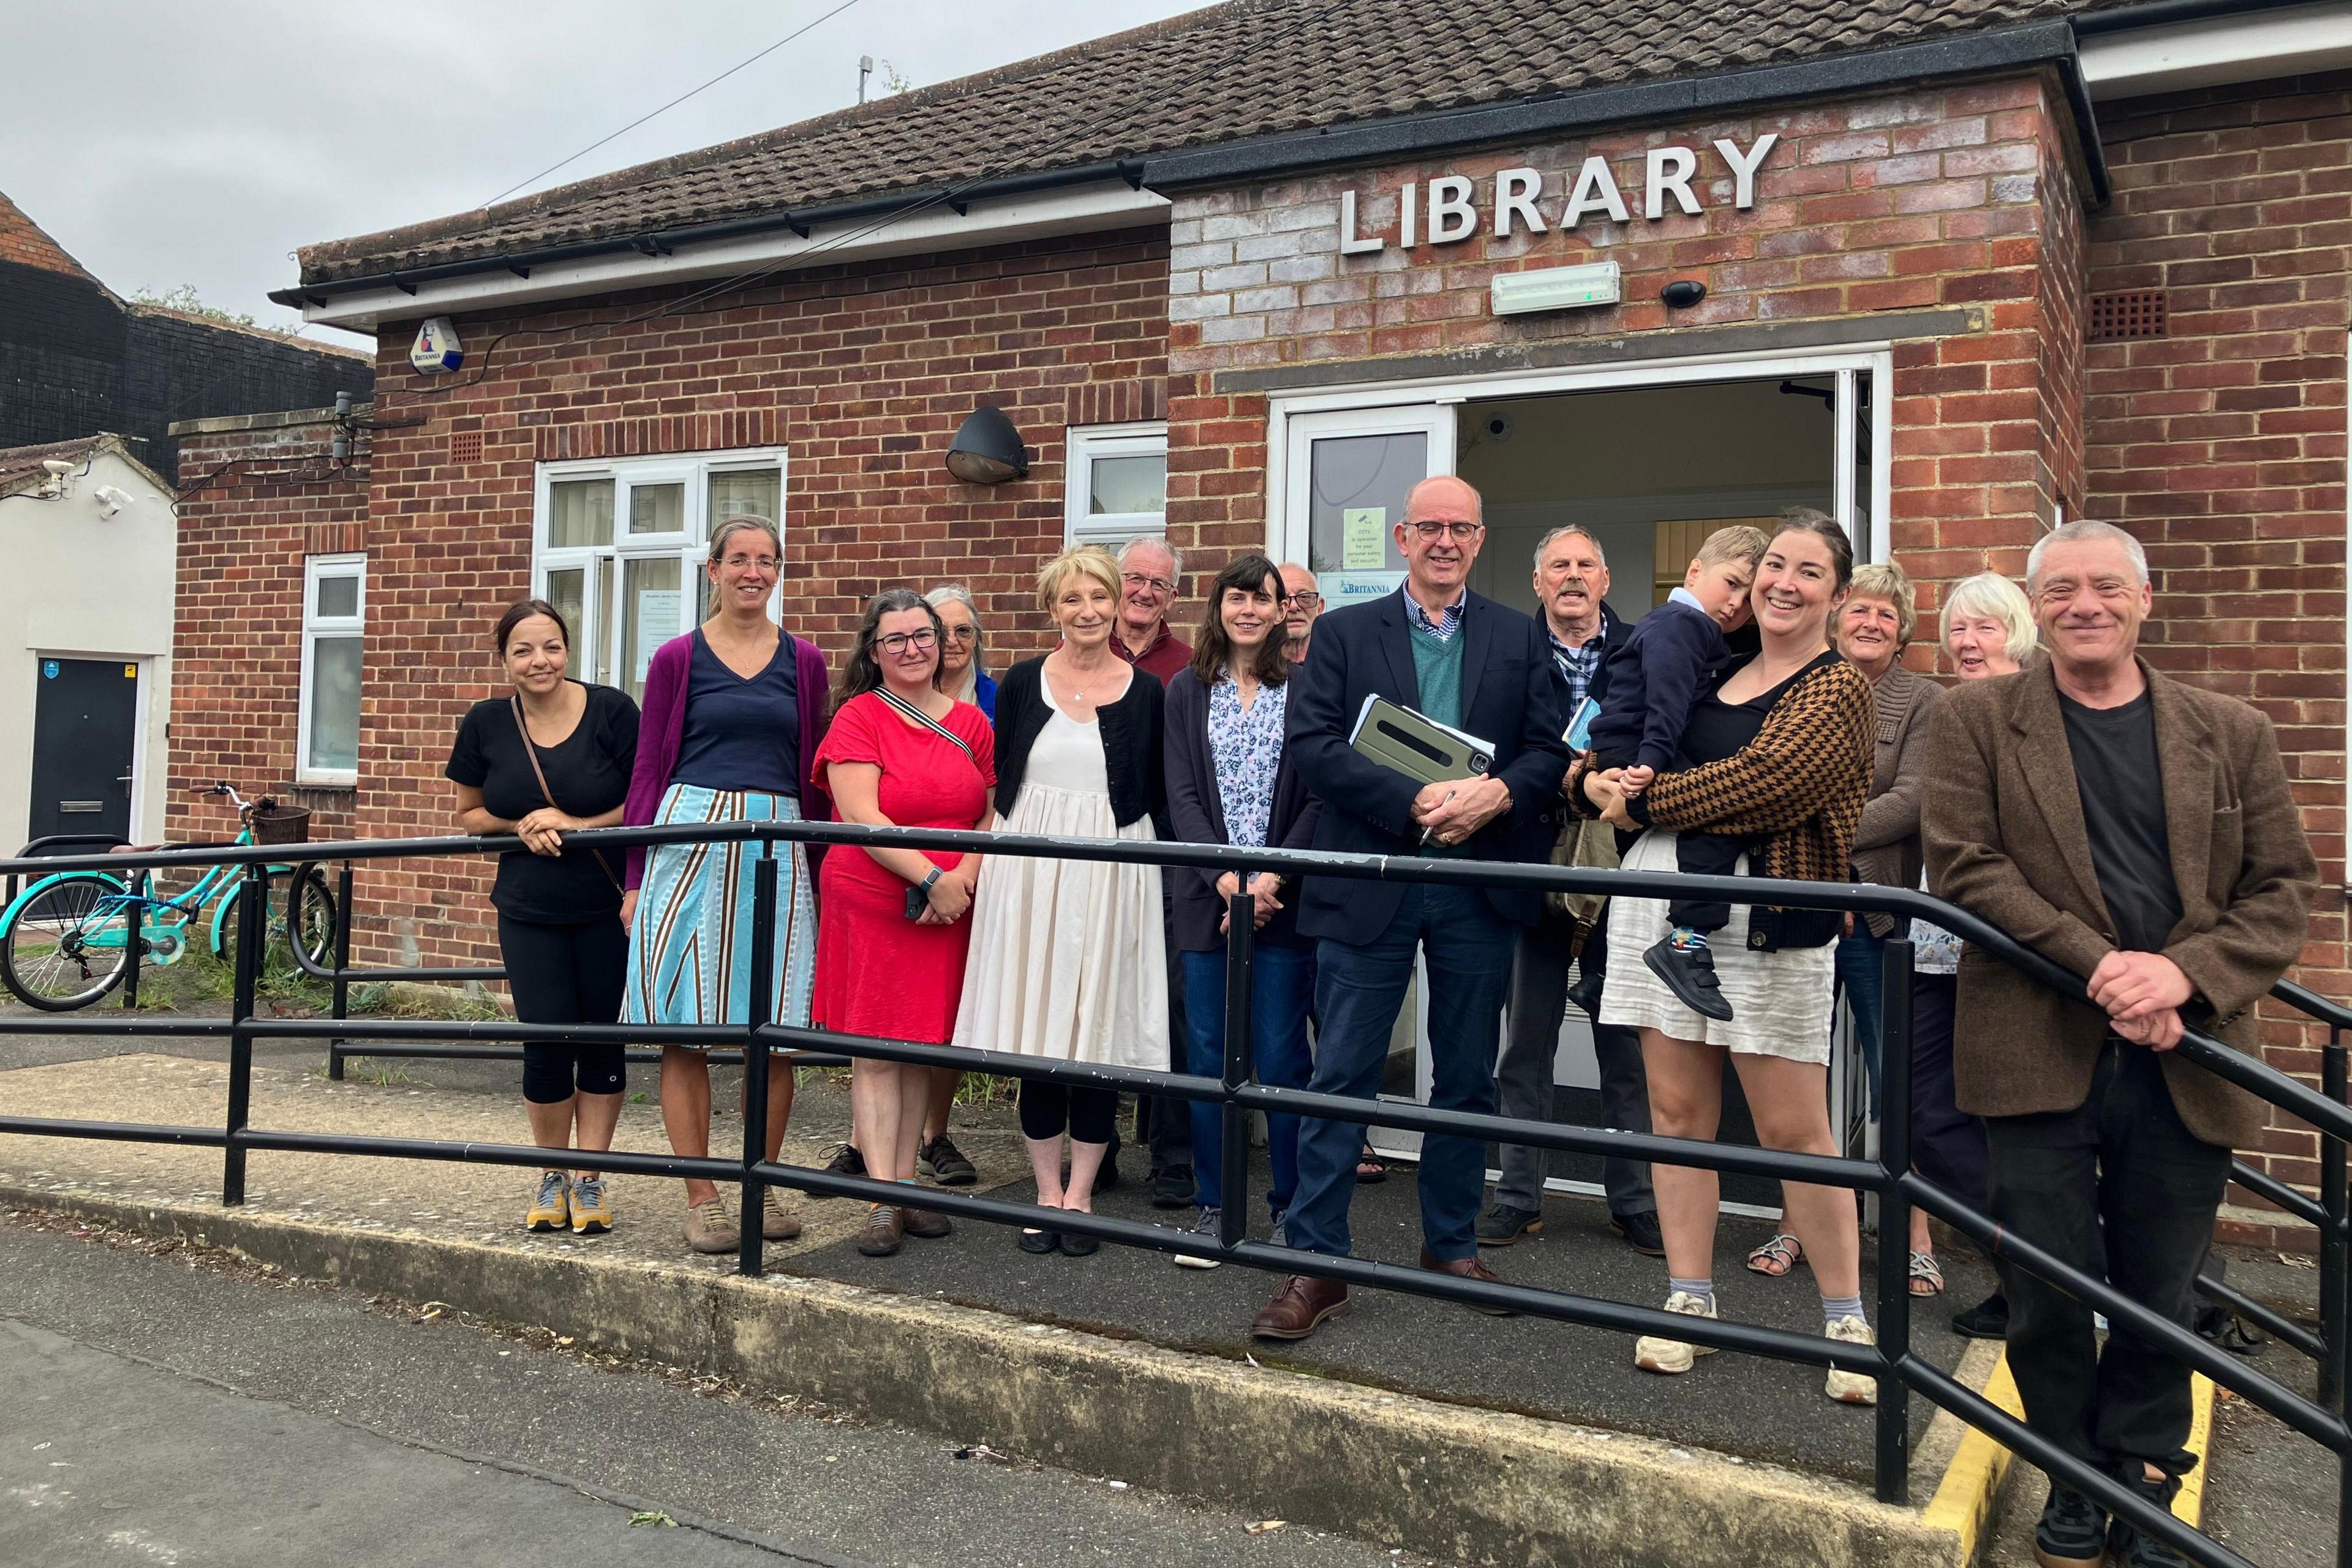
x=1150, y=576
x=2138, y=832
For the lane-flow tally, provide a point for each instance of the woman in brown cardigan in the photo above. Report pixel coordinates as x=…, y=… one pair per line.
x=1779, y=753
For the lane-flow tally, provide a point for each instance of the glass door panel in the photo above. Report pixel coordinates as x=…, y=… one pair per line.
x=652, y=611
x=1349, y=477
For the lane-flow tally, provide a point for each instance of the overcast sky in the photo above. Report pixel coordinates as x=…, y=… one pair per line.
x=165, y=143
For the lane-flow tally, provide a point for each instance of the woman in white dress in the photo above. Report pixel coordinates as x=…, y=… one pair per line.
x=1067, y=955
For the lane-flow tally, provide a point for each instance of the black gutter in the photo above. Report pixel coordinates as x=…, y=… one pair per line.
x=1971, y=54
x=2165, y=13
x=800, y=220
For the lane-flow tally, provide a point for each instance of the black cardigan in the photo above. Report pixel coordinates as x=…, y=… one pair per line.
x=1199, y=815
x=1130, y=737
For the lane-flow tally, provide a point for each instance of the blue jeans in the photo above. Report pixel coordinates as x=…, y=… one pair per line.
x=1862, y=975
x=1280, y=980
x=1357, y=991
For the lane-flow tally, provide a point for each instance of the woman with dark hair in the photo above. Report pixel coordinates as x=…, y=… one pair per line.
x=553, y=757
x=1231, y=781
x=734, y=715
x=891, y=930
x=1779, y=753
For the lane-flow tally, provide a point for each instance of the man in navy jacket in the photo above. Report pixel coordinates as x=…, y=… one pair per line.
x=1466, y=661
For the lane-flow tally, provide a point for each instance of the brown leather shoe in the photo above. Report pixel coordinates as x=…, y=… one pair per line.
x=927, y=1225
x=879, y=1236
x=1470, y=1267
x=1302, y=1306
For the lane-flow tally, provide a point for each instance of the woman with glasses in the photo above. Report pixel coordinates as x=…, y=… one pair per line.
x=734, y=714
x=963, y=675
x=892, y=935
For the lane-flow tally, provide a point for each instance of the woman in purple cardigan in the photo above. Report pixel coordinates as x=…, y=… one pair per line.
x=734, y=711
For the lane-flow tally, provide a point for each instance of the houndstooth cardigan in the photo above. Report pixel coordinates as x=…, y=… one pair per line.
x=1799, y=787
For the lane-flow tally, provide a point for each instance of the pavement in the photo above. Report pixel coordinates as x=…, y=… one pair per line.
x=156, y=1406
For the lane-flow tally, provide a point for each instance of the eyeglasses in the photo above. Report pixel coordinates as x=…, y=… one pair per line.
x=963, y=633
x=1427, y=529
x=764, y=562
x=1138, y=580
x=897, y=643
x=1306, y=598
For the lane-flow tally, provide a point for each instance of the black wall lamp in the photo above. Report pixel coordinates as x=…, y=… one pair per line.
x=1683, y=293
x=987, y=450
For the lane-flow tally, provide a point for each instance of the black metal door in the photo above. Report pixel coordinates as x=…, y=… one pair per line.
x=85, y=735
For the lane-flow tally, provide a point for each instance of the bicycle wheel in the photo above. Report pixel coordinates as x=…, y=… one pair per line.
x=316, y=936
x=66, y=943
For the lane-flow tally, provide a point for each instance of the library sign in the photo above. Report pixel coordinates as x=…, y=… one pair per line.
x=1453, y=207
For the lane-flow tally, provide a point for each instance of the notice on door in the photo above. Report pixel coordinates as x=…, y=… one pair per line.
x=656, y=624
x=1364, y=537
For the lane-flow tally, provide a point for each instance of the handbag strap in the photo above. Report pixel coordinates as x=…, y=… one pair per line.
x=905, y=709
x=530, y=751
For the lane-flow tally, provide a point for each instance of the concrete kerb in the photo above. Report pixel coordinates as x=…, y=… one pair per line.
x=1449, y=1481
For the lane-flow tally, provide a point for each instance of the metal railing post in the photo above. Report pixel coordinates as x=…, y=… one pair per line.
x=342, y=984
x=1241, y=930
x=1894, y=1448
x=134, y=939
x=252, y=930
x=750, y=1251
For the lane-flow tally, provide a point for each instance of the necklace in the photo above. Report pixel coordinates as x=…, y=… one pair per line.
x=1078, y=694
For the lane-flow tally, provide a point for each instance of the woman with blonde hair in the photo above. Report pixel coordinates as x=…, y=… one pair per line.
x=1066, y=958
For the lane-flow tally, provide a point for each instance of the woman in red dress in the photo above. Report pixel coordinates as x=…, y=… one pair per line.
x=892, y=926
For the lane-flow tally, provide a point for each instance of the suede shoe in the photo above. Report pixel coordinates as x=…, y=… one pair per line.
x=1471, y=1267
x=1171, y=1188
x=2073, y=1532
x=1302, y=1306
x=2132, y=1548
x=883, y=1233
x=1689, y=974
x=1503, y=1224
x=775, y=1225
x=1640, y=1232
x=925, y=1225
x=551, y=1204
x=709, y=1228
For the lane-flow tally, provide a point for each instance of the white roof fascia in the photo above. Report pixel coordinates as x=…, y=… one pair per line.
x=1042, y=215
x=2294, y=41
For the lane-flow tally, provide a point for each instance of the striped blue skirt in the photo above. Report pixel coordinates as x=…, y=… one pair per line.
x=690, y=945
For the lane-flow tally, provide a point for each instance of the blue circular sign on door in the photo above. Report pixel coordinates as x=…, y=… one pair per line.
x=48, y=669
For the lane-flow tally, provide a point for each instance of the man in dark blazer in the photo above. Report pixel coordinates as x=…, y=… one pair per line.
x=1571, y=578
x=2139, y=832
x=1469, y=662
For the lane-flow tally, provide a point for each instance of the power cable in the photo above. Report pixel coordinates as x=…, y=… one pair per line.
x=673, y=104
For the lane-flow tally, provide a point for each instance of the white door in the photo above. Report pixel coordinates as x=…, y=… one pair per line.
x=1346, y=478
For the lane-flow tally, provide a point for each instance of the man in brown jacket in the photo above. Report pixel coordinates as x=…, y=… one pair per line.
x=2138, y=832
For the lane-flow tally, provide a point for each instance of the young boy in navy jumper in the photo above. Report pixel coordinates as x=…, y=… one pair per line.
x=1673, y=660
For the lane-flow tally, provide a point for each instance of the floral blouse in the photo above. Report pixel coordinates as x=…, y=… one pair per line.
x=1246, y=748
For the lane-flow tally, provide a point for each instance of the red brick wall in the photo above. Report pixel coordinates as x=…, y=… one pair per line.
x=863, y=377
x=1953, y=196
x=2222, y=444
x=258, y=502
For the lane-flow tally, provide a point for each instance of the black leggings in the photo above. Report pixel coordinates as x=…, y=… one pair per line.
x=567, y=975
x=1046, y=1109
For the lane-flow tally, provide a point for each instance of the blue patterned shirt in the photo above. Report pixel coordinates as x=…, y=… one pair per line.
x=1246, y=749
x=1578, y=666
x=1444, y=627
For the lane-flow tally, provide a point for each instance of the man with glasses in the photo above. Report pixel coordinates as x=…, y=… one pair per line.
x=1149, y=573
x=1466, y=661
x=1301, y=602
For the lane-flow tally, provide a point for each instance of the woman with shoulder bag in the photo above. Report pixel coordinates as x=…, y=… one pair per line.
x=552, y=757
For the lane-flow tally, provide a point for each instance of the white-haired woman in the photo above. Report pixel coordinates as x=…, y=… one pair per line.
x=963, y=669
x=1988, y=631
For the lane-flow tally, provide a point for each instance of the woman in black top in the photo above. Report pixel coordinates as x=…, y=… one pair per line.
x=560, y=926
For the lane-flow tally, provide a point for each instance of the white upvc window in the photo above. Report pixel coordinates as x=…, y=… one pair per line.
x=1117, y=484
x=327, y=726
x=618, y=547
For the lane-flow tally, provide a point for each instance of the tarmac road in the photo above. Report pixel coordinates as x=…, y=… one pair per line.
x=156, y=1412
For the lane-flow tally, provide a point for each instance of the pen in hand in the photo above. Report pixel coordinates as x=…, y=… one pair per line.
x=1441, y=806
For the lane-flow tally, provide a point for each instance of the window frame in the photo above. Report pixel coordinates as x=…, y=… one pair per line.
x=1085, y=444
x=317, y=628
x=689, y=545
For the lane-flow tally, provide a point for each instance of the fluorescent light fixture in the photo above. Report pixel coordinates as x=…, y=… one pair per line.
x=1555, y=288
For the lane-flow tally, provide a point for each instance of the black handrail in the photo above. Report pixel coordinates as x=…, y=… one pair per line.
x=1892, y=1363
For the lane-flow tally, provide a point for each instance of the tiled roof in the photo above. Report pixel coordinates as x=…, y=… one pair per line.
x=1249, y=68
x=25, y=242
x=20, y=467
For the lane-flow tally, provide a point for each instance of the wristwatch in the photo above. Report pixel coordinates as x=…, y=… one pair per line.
x=924, y=886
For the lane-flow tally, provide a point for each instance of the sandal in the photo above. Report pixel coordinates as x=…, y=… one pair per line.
x=1777, y=1257
x=1925, y=1272
x=1369, y=1169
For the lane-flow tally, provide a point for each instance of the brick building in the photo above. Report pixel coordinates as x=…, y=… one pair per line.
x=1967, y=266
x=76, y=358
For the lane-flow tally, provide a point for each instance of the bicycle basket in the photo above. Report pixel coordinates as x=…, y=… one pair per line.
x=276, y=824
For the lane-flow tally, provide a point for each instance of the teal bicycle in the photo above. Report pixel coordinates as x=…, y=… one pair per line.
x=65, y=941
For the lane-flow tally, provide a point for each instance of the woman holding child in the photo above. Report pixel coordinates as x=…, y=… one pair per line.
x=1779, y=753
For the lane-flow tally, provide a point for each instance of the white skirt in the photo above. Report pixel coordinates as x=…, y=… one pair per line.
x=1067, y=958
x=1781, y=1003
